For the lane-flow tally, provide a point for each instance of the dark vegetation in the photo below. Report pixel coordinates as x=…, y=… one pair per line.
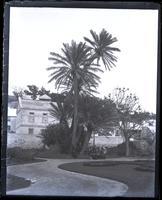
x=18, y=155
x=15, y=182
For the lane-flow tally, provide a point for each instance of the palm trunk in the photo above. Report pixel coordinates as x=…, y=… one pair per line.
x=75, y=124
x=86, y=141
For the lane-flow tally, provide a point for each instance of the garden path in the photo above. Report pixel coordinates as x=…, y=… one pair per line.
x=49, y=180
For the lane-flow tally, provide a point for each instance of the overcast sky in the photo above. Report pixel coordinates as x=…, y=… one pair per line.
x=35, y=32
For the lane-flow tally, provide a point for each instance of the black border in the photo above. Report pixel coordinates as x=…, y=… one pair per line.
x=4, y=106
x=72, y=4
x=84, y=4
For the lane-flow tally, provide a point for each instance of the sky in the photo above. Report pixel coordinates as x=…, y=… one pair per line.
x=35, y=32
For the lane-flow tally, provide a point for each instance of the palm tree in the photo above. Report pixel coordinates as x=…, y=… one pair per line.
x=61, y=112
x=74, y=72
x=101, y=48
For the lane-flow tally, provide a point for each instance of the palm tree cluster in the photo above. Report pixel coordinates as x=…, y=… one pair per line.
x=75, y=71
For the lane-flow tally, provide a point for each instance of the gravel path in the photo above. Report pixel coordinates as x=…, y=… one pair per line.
x=49, y=180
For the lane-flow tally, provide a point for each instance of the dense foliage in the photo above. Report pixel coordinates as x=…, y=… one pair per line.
x=56, y=134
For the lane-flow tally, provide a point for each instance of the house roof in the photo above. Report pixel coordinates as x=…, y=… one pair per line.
x=44, y=97
x=34, y=104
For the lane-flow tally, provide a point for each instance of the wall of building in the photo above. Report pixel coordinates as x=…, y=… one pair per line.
x=11, y=124
x=33, y=119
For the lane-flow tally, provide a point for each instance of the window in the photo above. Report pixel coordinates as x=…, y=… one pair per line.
x=31, y=116
x=117, y=133
x=45, y=118
x=31, y=131
x=42, y=130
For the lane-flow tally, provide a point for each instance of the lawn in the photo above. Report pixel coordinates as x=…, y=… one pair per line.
x=137, y=175
x=16, y=161
x=15, y=182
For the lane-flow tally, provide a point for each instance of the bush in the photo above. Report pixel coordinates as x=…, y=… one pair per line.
x=145, y=148
x=57, y=135
x=97, y=152
x=21, y=154
x=51, y=154
x=49, y=135
x=121, y=148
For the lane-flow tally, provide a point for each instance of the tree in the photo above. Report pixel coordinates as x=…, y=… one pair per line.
x=129, y=113
x=70, y=72
x=43, y=91
x=101, y=48
x=75, y=71
x=56, y=135
x=18, y=92
x=62, y=111
x=34, y=91
x=95, y=113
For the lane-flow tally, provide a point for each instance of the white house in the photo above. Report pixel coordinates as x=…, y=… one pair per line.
x=11, y=121
x=33, y=115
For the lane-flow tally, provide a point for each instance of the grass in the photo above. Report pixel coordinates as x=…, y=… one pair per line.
x=15, y=182
x=52, y=155
x=138, y=175
x=16, y=161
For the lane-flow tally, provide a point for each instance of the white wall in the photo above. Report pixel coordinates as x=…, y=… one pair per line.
x=23, y=141
x=23, y=123
x=107, y=141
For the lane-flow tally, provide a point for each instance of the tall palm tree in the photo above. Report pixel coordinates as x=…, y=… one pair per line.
x=101, y=48
x=74, y=72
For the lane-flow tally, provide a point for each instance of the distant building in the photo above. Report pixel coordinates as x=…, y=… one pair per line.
x=106, y=138
x=33, y=115
x=11, y=121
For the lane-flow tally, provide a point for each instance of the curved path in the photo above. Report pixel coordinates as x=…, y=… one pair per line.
x=49, y=180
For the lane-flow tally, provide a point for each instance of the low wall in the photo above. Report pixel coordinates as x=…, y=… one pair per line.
x=109, y=141
x=24, y=141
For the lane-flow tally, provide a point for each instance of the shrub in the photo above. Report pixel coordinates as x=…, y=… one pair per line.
x=145, y=148
x=57, y=134
x=120, y=150
x=97, y=152
x=21, y=154
x=49, y=135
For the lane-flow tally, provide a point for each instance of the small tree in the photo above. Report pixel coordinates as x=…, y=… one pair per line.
x=35, y=91
x=95, y=113
x=129, y=114
x=43, y=91
x=32, y=91
x=18, y=92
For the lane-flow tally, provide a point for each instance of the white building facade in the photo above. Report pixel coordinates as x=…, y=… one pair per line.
x=11, y=121
x=33, y=115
